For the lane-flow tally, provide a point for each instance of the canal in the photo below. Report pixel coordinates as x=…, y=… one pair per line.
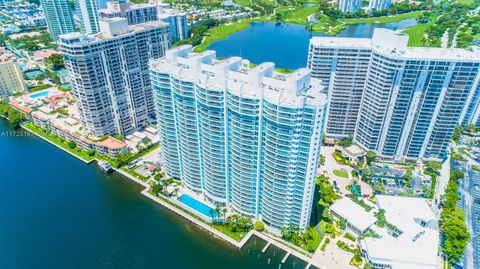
x=58, y=212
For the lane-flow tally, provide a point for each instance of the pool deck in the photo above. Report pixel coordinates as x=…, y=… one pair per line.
x=270, y=239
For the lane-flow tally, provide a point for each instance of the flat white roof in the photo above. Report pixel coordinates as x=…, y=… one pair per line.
x=406, y=212
x=417, y=245
x=353, y=213
x=237, y=77
x=139, y=134
x=403, y=255
x=151, y=130
x=382, y=44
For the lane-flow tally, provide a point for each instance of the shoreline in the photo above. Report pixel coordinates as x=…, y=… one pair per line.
x=201, y=225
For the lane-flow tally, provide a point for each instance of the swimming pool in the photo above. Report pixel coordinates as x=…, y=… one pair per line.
x=196, y=205
x=40, y=94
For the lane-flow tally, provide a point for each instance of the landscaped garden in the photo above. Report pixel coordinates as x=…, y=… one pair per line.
x=62, y=143
x=340, y=173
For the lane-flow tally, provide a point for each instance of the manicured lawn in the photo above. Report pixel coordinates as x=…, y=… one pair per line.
x=82, y=154
x=340, y=173
x=325, y=26
x=135, y=174
x=300, y=16
x=237, y=235
x=416, y=34
x=465, y=2
x=245, y=3
x=385, y=19
x=317, y=238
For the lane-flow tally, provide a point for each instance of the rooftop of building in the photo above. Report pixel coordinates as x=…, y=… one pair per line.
x=395, y=44
x=113, y=8
x=417, y=245
x=406, y=212
x=240, y=78
x=353, y=213
x=110, y=28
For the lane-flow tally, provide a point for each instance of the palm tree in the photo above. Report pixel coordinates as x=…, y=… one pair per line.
x=176, y=189
x=212, y=214
x=217, y=210
x=224, y=211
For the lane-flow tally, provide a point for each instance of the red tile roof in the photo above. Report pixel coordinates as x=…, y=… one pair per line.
x=112, y=143
x=15, y=104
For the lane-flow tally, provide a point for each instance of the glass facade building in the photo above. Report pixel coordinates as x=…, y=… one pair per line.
x=379, y=4
x=87, y=13
x=247, y=138
x=401, y=102
x=59, y=17
x=348, y=6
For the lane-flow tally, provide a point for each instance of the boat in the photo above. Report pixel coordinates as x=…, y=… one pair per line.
x=105, y=166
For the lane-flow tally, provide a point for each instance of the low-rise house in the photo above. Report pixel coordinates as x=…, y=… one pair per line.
x=358, y=221
x=68, y=128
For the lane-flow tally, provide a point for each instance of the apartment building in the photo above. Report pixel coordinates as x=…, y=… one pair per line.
x=379, y=4
x=348, y=6
x=248, y=138
x=109, y=74
x=59, y=17
x=87, y=13
x=11, y=78
x=401, y=102
x=134, y=14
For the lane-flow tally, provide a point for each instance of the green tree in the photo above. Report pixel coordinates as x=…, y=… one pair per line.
x=327, y=193
x=371, y=156
x=259, y=225
x=157, y=188
x=15, y=117
x=471, y=128
x=72, y=144
x=346, y=142
x=457, y=133
x=454, y=229
x=434, y=166
x=55, y=61
x=321, y=160
x=455, y=233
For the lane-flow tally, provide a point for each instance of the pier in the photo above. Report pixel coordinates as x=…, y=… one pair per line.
x=286, y=256
x=266, y=247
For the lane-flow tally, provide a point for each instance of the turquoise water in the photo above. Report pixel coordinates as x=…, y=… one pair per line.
x=40, y=94
x=196, y=205
x=286, y=44
x=57, y=212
